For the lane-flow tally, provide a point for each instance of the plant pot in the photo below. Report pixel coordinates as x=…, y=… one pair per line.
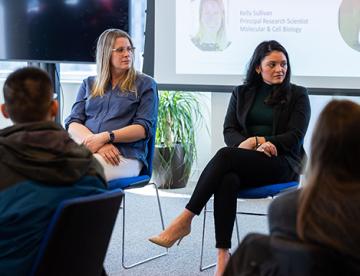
x=169, y=170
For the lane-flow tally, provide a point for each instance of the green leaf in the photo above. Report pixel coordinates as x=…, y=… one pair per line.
x=178, y=117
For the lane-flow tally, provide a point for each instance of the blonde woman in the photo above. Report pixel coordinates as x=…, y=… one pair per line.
x=211, y=35
x=115, y=112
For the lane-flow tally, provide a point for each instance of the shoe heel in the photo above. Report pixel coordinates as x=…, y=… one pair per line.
x=179, y=241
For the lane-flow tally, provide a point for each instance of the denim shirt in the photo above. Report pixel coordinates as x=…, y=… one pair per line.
x=117, y=109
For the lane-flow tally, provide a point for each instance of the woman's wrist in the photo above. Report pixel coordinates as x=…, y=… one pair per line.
x=104, y=137
x=261, y=140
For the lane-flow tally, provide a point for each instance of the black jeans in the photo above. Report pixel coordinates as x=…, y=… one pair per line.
x=230, y=170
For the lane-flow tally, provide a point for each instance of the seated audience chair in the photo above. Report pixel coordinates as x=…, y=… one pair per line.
x=78, y=236
x=138, y=182
x=251, y=193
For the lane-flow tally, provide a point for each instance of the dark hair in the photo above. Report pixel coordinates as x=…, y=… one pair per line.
x=28, y=95
x=253, y=79
x=329, y=205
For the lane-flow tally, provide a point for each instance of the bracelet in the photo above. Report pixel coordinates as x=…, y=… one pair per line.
x=257, y=144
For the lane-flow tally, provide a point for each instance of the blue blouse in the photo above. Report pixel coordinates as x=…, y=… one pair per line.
x=117, y=109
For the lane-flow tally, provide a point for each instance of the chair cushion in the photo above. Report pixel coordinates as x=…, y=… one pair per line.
x=128, y=182
x=267, y=190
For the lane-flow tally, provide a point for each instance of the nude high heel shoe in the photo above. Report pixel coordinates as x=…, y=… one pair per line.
x=169, y=241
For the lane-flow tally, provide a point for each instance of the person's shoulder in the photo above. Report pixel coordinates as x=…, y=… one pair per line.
x=282, y=214
x=284, y=199
x=144, y=78
x=240, y=89
x=89, y=80
x=144, y=82
x=196, y=41
x=301, y=90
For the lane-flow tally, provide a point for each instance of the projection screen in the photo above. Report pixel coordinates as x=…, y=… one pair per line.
x=205, y=45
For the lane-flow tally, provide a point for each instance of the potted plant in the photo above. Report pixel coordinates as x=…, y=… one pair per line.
x=179, y=115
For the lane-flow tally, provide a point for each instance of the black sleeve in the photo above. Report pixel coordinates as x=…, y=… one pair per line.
x=295, y=128
x=232, y=128
x=252, y=257
x=282, y=215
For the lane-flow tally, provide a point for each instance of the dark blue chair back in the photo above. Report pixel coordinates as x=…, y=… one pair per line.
x=150, y=155
x=78, y=236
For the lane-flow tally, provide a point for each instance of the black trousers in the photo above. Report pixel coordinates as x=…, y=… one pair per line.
x=230, y=170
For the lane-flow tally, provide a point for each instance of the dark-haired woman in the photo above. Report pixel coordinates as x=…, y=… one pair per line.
x=264, y=128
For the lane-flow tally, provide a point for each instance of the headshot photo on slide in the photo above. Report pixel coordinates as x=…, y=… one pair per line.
x=211, y=31
x=349, y=23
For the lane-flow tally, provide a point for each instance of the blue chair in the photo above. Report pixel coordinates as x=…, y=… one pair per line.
x=78, y=235
x=251, y=193
x=138, y=182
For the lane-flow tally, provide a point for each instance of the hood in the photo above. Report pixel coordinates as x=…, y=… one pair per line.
x=43, y=152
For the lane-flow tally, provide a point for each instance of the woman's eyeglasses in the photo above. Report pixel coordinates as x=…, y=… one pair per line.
x=121, y=50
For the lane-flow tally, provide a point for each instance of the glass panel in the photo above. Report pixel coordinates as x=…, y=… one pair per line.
x=76, y=72
x=8, y=66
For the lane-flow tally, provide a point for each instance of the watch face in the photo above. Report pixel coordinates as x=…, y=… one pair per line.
x=112, y=137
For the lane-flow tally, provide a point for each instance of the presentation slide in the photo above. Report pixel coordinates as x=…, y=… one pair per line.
x=210, y=42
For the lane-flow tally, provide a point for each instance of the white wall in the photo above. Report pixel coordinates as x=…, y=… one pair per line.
x=3, y=122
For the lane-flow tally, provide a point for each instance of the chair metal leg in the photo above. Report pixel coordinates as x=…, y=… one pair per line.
x=123, y=235
x=202, y=268
x=159, y=204
x=237, y=228
x=252, y=214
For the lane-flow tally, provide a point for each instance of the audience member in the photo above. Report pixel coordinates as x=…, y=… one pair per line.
x=40, y=166
x=326, y=210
